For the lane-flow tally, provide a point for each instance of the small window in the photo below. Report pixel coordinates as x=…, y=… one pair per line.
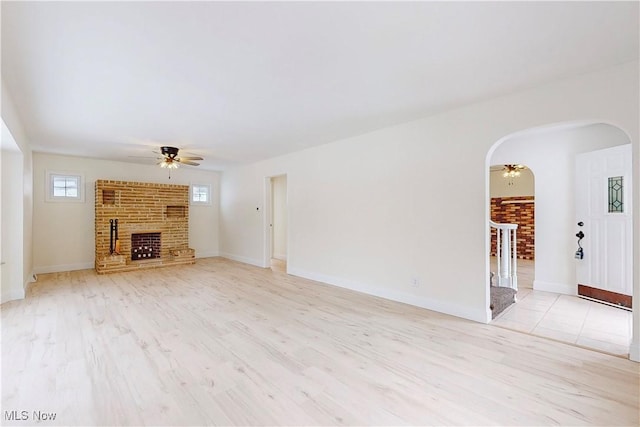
x=200, y=194
x=615, y=195
x=64, y=187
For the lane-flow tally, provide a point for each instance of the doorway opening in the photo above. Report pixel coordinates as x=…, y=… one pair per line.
x=276, y=224
x=551, y=308
x=512, y=201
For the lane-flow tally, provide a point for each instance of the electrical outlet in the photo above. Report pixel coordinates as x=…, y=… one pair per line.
x=415, y=282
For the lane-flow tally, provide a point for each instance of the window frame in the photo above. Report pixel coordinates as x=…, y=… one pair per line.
x=50, y=179
x=197, y=202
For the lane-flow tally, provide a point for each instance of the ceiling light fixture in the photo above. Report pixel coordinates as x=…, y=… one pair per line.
x=169, y=164
x=512, y=171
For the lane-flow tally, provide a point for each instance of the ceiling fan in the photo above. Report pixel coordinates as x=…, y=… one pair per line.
x=508, y=171
x=171, y=160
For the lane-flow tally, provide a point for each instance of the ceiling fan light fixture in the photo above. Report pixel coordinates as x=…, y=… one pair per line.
x=169, y=152
x=170, y=159
x=169, y=164
x=512, y=171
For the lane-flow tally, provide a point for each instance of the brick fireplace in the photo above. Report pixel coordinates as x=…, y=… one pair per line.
x=153, y=225
x=516, y=210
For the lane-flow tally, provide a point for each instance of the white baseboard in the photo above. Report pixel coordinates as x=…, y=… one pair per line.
x=477, y=315
x=239, y=258
x=63, y=267
x=207, y=254
x=558, y=288
x=281, y=257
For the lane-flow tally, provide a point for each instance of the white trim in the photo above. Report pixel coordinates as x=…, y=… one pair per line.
x=267, y=218
x=239, y=258
x=393, y=295
x=48, y=195
x=63, y=267
x=13, y=295
x=208, y=254
x=196, y=203
x=634, y=351
x=558, y=288
x=267, y=222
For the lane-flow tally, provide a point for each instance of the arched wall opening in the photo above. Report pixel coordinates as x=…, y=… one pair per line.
x=551, y=151
x=512, y=201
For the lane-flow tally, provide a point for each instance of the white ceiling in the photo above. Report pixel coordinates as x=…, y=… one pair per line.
x=239, y=82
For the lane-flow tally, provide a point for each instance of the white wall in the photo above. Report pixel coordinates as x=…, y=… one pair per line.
x=279, y=189
x=64, y=232
x=14, y=125
x=524, y=185
x=12, y=282
x=551, y=154
x=373, y=212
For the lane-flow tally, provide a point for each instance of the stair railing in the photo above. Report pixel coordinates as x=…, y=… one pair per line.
x=506, y=254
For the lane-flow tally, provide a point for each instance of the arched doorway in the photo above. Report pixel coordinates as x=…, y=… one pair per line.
x=555, y=311
x=512, y=201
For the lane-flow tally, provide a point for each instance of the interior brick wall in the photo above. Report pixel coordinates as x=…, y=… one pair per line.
x=141, y=208
x=515, y=213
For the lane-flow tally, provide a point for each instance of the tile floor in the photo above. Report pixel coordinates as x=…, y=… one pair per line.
x=566, y=318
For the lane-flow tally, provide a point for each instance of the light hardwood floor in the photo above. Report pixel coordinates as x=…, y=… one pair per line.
x=221, y=342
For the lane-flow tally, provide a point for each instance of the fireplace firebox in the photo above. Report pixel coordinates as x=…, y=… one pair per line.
x=145, y=246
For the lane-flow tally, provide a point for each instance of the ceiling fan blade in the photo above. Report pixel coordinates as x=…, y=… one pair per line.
x=191, y=158
x=160, y=162
x=187, y=162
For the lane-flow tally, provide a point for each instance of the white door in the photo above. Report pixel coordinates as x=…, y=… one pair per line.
x=603, y=205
